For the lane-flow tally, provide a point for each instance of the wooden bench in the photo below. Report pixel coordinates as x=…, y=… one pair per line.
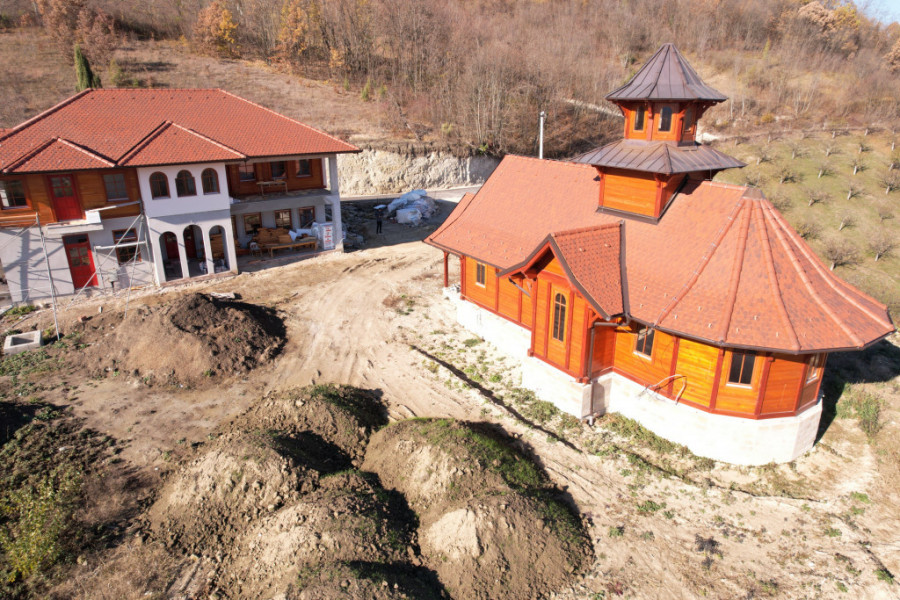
x=266, y=184
x=299, y=243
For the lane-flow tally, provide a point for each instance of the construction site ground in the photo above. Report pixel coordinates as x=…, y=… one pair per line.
x=662, y=523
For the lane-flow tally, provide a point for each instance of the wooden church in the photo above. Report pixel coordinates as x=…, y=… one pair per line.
x=627, y=280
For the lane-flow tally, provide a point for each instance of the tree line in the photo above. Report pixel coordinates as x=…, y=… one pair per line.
x=475, y=73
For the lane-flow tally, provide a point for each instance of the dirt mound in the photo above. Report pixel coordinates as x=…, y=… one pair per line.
x=275, y=500
x=369, y=581
x=193, y=339
x=350, y=518
x=491, y=524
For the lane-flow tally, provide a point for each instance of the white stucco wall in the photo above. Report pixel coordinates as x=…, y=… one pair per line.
x=173, y=205
x=23, y=262
x=730, y=439
x=176, y=224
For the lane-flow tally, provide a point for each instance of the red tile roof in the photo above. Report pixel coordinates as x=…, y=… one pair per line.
x=721, y=266
x=111, y=123
x=592, y=259
x=174, y=144
x=58, y=154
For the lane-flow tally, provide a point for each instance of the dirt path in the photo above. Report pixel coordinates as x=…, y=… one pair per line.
x=353, y=318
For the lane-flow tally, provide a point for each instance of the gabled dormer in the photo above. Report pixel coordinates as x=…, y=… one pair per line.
x=662, y=104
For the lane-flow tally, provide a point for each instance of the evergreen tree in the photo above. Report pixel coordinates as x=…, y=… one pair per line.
x=83, y=73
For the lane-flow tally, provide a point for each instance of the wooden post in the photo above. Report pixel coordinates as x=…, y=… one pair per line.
x=716, y=380
x=446, y=269
x=763, y=382
x=674, y=366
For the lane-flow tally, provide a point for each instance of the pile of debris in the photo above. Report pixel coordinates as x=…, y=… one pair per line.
x=412, y=208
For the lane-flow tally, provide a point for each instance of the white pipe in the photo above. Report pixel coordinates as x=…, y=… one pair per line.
x=541, y=136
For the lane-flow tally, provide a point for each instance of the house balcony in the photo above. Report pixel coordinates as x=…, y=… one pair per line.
x=278, y=193
x=90, y=222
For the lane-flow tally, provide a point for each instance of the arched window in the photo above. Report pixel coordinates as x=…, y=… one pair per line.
x=665, y=119
x=210, y=180
x=559, y=318
x=159, y=185
x=185, y=184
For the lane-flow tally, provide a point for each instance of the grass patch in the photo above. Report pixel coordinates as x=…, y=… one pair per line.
x=18, y=311
x=24, y=363
x=866, y=407
x=365, y=405
x=634, y=431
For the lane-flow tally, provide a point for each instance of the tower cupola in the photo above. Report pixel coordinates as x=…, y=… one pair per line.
x=662, y=104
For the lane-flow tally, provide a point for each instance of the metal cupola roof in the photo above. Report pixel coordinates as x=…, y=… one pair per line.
x=666, y=76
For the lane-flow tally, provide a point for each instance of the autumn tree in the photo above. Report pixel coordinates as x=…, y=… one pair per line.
x=214, y=31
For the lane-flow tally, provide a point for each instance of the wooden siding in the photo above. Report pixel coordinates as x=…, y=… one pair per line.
x=92, y=192
x=669, y=190
x=527, y=308
x=509, y=300
x=542, y=293
x=38, y=197
x=576, y=332
x=783, y=385
x=645, y=370
x=740, y=399
x=604, y=350
x=629, y=191
x=315, y=180
x=697, y=364
x=485, y=295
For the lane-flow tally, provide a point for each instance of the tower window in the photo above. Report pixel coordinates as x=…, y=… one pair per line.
x=688, y=121
x=741, y=372
x=639, y=116
x=644, y=343
x=665, y=119
x=559, y=318
x=815, y=367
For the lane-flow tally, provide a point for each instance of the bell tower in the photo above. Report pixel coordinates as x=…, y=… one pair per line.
x=662, y=103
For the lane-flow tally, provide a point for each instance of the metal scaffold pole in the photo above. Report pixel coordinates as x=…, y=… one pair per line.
x=37, y=219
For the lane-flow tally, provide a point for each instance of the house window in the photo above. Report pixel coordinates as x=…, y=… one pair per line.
x=278, y=170
x=128, y=253
x=185, y=184
x=559, y=318
x=741, y=372
x=247, y=172
x=480, y=274
x=252, y=223
x=639, y=118
x=644, y=343
x=12, y=193
x=283, y=219
x=665, y=119
x=304, y=168
x=62, y=187
x=307, y=216
x=815, y=367
x=115, y=187
x=159, y=185
x=688, y=121
x=210, y=180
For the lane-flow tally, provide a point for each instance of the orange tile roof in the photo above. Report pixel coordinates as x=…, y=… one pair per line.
x=592, y=259
x=112, y=122
x=174, y=144
x=721, y=265
x=58, y=154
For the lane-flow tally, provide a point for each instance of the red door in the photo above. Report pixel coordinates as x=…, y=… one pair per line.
x=190, y=245
x=65, y=202
x=171, y=243
x=81, y=262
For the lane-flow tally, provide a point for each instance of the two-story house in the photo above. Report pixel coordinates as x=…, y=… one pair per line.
x=121, y=187
x=628, y=281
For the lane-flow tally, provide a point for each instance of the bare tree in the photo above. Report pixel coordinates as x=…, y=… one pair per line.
x=830, y=148
x=885, y=211
x=858, y=164
x=882, y=243
x=754, y=178
x=787, y=175
x=817, y=196
x=781, y=202
x=853, y=190
x=891, y=181
x=895, y=160
x=862, y=146
x=847, y=219
x=798, y=150
x=825, y=169
x=765, y=154
x=809, y=230
x=840, y=253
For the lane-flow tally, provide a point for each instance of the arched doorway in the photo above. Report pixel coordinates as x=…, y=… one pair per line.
x=168, y=247
x=218, y=246
x=194, y=249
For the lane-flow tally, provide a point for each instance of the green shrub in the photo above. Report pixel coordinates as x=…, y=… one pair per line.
x=37, y=516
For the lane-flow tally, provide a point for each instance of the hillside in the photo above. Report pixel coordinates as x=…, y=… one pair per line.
x=844, y=216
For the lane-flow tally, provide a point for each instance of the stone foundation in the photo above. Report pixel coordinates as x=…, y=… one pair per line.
x=734, y=440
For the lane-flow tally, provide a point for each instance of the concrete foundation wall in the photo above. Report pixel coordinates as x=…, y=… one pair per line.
x=720, y=437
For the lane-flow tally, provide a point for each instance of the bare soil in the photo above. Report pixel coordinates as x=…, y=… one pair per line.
x=192, y=340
